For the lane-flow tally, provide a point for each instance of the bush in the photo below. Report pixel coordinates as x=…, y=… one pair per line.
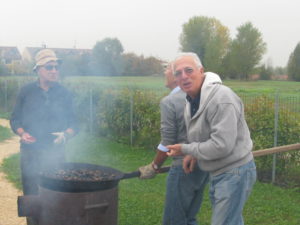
x=260, y=117
x=9, y=88
x=125, y=115
x=123, y=111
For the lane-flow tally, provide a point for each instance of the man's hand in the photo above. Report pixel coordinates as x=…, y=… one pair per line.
x=175, y=150
x=189, y=163
x=27, y=138
x=60, y=138
x=147, y=172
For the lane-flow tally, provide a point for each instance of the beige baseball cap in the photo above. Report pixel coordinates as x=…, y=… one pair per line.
x=44, y=56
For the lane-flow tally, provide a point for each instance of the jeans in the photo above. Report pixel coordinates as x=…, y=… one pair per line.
x=184, y=196
x=229, y=192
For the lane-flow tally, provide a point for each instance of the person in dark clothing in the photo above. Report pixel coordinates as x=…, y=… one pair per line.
x=44, y=119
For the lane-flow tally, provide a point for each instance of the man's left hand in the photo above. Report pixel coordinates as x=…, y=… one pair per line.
x=175, y=150
x=60, y=138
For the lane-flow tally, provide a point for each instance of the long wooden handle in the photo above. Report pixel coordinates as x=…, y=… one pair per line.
x=278, y=149
x=138, y=173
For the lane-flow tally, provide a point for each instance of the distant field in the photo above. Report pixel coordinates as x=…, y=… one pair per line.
x=289, y=88
x=158, y=82
x=144, y=82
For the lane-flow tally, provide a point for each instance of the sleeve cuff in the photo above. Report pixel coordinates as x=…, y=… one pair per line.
x=184, y=149
x=162, y=148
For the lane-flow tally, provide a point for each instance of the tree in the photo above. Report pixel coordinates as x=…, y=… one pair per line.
x=69, y=66
x=106, y=57
x=293, y=66
x=84, y=64
x=208, y=38
x=265, y=72
x=139, y=66
x=280, y=70
x=245, y=52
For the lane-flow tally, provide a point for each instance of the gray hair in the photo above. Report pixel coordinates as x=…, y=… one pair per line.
x=190, y=54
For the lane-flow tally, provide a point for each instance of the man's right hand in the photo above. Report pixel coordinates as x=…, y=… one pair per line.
x=27, y=138
x=147, y=172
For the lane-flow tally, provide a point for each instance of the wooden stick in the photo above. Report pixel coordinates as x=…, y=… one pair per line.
x=269, y=151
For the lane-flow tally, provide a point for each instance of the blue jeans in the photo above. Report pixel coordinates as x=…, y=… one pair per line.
x=184, y=196
x=229, y=192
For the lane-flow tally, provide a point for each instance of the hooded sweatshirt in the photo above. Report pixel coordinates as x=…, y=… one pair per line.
x=218, y=134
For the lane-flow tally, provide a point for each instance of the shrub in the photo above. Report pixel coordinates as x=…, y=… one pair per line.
x=123, y=111
x=260, y=116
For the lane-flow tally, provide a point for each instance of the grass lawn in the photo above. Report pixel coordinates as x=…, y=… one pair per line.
x=290, y=88
x=141, y=201
x=4, y=115
x=5, y=133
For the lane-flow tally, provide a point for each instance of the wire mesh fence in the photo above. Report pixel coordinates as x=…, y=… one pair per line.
x=274, y=120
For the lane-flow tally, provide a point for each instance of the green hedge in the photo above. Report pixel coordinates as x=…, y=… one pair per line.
x=125, y=115
x=260, y=116
x=9, y=89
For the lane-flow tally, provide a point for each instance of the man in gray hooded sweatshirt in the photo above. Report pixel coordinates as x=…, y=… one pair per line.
x=218, y=136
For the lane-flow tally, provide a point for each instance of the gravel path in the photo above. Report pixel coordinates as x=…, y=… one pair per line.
x=8, y=193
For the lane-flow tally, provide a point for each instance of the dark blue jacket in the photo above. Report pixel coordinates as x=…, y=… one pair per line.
x=41, y=113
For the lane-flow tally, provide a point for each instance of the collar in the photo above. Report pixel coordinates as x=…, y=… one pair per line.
x=193, y=100
x=50, y=87
x=175, y=90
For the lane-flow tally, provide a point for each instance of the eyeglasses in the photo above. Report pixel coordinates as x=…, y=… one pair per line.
x=51, y=67
x=186, y=70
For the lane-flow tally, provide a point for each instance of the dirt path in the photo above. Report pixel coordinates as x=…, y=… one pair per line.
x=8, y=193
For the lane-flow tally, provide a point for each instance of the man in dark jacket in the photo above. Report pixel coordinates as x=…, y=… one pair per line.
x=43, y=117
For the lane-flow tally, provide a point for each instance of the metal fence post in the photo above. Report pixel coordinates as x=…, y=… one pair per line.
x=91, y=111
x=276, y=112
x=5, y=96
x=131, y=120
x=19, y=84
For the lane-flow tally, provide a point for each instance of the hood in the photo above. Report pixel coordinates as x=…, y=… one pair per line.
x=212, y=80
x=210, y=83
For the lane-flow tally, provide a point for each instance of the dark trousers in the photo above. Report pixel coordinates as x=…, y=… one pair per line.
x=32, y=163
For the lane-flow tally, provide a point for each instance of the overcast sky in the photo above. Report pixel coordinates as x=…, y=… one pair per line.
x=148, y=27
